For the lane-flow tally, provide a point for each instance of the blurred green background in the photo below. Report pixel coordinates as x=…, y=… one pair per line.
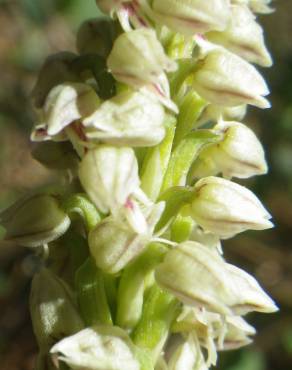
x=33, y=29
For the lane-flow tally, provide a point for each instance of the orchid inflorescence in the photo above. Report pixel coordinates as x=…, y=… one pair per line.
x=143, y=126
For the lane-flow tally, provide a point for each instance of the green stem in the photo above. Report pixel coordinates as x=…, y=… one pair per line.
x=186, y=67
x=91, y=295
x=160, y=310
x=156, y=161
x=132, y=285
x=190, y=110
x=80, y=204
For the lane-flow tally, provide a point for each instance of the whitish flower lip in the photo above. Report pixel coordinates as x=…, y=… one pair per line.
x=113, y=245
x=97, y=348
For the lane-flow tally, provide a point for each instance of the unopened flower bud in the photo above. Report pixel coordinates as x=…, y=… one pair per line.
x=225, y=208
x=56, y=156
x=53, y=309
x=34, y=221
x=109, y=175
x=239, y=154
x=96, y=36
x=97, y=348
x=65, y=104
x=143, y=63
x=192, y=16
x=130, y=118
x=201, y=278
x=223, y=78
x=114, y=245
x=244, y=37
x=55, y=71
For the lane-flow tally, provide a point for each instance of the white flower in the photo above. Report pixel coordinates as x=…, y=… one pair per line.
x=109, y=175
x=239, y=153
x=244, y=37
x=130, y=118
x=191, y=16
x=224, y=78
x=113, y=245
x=199, y=277
x=225, y=208
x=144, y=64
x=144, y=61
x=65, y=104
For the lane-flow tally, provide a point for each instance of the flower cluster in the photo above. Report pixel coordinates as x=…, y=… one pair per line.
x=143, y=125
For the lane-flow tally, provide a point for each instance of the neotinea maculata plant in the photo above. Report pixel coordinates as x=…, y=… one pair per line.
x=145, y=120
